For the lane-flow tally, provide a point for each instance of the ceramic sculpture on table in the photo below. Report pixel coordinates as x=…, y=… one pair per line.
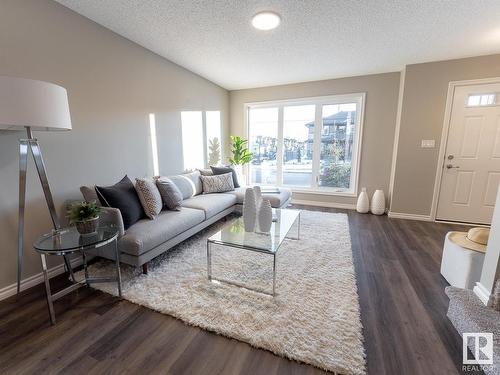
x=363, y=205
x=378, y=203
x=265, y=216
x=249, y=210
x=258, y=196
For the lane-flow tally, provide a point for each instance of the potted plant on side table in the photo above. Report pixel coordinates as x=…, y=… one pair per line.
x=85, y=216
x=240, y=155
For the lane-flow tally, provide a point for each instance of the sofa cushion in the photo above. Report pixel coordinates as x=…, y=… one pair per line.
x=123, y=196
x=217, y=184
x=223, y=170
x=170, y=193
x=147, y=234
x=277, y=199
x=149, y=196
x=188, y=183
x=211, y=204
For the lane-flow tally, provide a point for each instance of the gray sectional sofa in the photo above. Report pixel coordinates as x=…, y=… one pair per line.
x=146, y=239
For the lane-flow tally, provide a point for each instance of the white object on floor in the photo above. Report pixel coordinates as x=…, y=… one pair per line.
x=461, y=267
x=378, y=203
x=363, y=205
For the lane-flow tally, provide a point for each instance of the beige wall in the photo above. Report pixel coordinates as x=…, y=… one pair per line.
x=378, y=129
x=113, y=85
x=422, y=116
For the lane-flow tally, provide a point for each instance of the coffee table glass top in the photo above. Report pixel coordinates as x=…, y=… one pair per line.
x=233, y=234
x=68, y=239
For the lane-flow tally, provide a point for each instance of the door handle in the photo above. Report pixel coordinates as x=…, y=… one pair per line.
x=450, y=166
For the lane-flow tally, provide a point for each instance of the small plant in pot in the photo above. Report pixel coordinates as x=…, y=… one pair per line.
x=85, y=216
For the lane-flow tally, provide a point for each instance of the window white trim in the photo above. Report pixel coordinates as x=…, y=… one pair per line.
x=318, y=101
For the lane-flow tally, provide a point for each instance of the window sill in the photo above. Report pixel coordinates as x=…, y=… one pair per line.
x=338, y=193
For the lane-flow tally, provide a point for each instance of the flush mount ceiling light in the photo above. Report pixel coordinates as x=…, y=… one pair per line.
x=266, y=20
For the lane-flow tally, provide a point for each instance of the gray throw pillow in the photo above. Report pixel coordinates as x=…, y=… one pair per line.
x=170, y=193
x=218, y=183
x=195, y=178
x=149, y=196
x=184, y=184
x=223, y=170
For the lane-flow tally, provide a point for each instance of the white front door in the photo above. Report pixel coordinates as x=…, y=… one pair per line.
x=471, y=168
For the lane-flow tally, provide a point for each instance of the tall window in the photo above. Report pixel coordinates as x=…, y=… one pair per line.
x=201, y=139
x=263, y=135
x=308, y=144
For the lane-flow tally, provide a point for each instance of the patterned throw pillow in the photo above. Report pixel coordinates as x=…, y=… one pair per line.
x=218, y=183
x=223, y=170
x=149, y=196
x=170, y=193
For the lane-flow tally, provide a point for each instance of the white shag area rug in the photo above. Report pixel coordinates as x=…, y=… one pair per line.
x=314, y=318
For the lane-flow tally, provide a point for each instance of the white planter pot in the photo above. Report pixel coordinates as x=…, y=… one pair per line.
x=363, y=205
x=249, y=210
x=265, y=216
x=378, y=203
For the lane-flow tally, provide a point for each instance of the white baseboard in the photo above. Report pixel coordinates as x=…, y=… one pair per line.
x=482, y=293
x=399, y=215
x=31, y=281
x=345, y=206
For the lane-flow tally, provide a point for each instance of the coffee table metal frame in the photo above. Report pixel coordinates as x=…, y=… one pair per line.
x=250, y=248
x=52, y=297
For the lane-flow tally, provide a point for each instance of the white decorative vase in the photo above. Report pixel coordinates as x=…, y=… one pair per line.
x=265, y=216
x=378, y=203
x=363, y=205
x=249, y=210
x=258, y=195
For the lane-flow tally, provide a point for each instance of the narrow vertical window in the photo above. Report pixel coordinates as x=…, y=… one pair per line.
x=192, y=139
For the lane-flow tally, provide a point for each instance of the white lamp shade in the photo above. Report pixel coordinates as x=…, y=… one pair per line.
x=37, y=104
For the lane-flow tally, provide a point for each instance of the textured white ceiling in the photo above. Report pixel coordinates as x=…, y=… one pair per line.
x=317, y=39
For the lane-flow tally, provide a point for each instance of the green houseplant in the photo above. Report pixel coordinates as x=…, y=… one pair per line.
x=85, y=216
x=240, y=155
x=240, y=152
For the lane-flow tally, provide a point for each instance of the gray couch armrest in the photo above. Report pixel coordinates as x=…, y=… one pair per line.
x=108, y=216
x=112, y=216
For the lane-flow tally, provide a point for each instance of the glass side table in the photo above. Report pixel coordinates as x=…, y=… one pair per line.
x=67, y=241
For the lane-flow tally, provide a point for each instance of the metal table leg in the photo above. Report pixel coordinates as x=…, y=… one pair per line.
x=274, y=274
x=47, y=289
x=118, y=272
x=84, y=258
x=209, y=261
x=67, y=262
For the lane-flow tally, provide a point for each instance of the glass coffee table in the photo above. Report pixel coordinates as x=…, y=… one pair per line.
x=233, y=235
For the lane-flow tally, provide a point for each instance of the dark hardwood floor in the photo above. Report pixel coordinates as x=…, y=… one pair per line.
x=403, y=311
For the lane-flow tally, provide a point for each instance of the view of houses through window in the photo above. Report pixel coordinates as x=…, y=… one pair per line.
x=306, y=144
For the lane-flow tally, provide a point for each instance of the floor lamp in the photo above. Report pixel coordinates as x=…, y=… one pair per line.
x=30, y=105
